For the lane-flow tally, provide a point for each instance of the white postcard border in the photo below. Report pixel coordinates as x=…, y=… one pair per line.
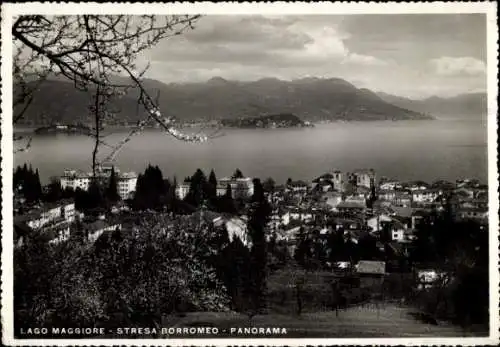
x=277, y=8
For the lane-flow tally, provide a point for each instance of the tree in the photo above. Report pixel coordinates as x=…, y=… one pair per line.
x=238, y=174
x=212, y=185
x=151, y=189
x=95, y=194
x=123, y=279
x=226, y=203
x=268, y=185
x=112, y=189
x=172, y=200
x=258, y=191
x=27, y=182
x=54, y=190
x=197, y=189
x=90, y=51
x=258, y=256
x=336, y=246
x=38, y=186
x=234, y=267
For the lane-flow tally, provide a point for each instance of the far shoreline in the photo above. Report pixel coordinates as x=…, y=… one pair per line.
x=32, y=128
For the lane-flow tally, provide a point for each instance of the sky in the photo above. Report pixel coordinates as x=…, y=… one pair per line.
x=412, y=55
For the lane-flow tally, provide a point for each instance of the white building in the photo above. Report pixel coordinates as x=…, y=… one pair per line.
x=126, y=184
x=240, y=187
x=338, y=179
x=398, y=235
x=74, y=179
x=52, y=221
x=429, y=277
x=332, y=199
x=51, y=213
x=390, y=185
x=236, y=227
x=364, y=178
x=97, y=228
x=424, y=195
x=182, y=190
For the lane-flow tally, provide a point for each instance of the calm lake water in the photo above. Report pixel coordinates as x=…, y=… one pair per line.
x=406, y=150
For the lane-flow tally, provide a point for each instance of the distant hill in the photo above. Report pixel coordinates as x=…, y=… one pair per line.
x=472, y=105
x=310, y=99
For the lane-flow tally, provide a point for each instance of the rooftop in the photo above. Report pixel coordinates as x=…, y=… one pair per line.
x=231, y=179
x=51, y=205
x=98, y=225
x=371, y=267
x=127, y=175
x=298, y=183
x=364, y=171
x=351, y=204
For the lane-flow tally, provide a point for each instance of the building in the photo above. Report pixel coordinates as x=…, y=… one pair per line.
x=428, y=277
x=362, y=192
x=352, y=206
x=416, y=185
x=371, y=274
x=376, y=223
x=126, y=184
x=51, y=222
x=425, y=195
x=390, y=185
x=387, y=195
x=363, y=178
x=332, y=199
x=241, y=188
x=338, y=179
x=384, y=223
x=74, y=179
x=95, y=229
x=236, y=227
x=57, y=233
x=304, y=215
x=182, y=190
x=50, y=213
x=298, y=186
x=402, y=198
x=398, y=235
x=477, y=214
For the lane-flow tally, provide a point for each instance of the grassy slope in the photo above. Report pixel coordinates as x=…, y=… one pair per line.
x=389, y=320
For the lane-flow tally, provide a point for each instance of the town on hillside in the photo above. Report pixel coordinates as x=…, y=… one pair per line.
x=352, y=236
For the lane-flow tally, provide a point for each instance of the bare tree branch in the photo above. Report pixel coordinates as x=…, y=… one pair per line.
x=91, y=50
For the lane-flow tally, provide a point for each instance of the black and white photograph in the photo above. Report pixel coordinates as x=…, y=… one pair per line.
x=223, y=173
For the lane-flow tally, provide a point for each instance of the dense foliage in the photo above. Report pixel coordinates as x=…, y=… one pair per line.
x=137, y=275
x=27, y=182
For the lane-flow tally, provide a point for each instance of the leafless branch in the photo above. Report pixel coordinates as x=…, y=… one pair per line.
x=91, y=50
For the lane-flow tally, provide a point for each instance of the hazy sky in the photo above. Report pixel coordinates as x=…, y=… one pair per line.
x=407, y=55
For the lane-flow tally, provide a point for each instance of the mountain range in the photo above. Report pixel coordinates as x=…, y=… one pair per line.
x=312, y=99
x=471, y=105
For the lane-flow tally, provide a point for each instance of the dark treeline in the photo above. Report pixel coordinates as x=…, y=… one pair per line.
x=27, y=182
x=101, y=194
x=154, y=192
x=459, y=248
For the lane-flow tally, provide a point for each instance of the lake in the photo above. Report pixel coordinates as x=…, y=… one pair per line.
x=405, y=150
